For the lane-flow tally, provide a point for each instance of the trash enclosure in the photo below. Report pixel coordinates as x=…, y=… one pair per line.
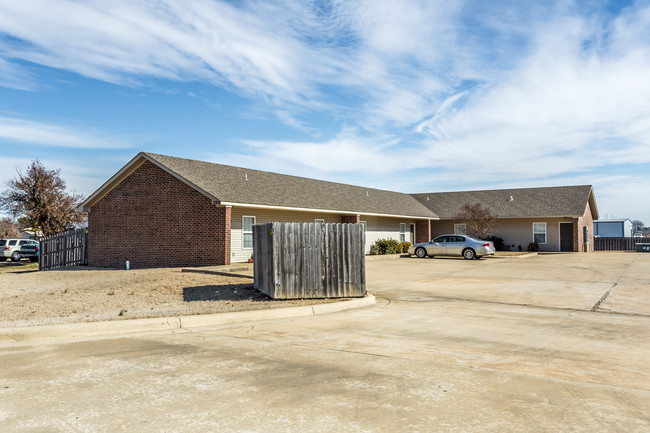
x=309, y=260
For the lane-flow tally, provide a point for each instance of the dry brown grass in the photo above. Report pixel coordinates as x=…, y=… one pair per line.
x=81, y=294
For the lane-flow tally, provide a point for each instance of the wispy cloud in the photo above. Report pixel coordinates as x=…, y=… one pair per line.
x=44, y=134
x=531, y=92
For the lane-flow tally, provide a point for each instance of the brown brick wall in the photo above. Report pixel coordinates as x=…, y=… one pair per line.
x=422, y=231
x=578, y=231
x=350, y=219
x=154, y=220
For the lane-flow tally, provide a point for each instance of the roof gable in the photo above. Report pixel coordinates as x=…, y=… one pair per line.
x=230, y=185
x=561, y=201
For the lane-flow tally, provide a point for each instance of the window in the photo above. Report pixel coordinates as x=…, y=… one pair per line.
x=460, y=229
x=320, y=221
x=539, y=233
x=402, y=232
x=247, y=224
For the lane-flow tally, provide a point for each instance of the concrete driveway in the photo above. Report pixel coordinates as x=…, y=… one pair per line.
x=547, y=343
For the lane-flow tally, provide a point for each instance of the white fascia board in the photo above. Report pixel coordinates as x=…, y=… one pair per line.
x=127, y=169
x=301, y=209
x=523, y=217
x=110, y=183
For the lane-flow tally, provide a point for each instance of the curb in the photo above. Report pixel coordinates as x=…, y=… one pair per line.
x=172, y=324
x=516, y=256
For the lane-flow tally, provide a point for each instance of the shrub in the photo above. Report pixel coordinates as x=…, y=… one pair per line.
x=385, y=246
x=374, y=250
x=403, y=247
x=533, y=246
x=499, y=244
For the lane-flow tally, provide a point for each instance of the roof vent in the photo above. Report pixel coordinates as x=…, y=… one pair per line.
x=510, y=199
x=427, y=198
x=246, y=176
x=367, y=195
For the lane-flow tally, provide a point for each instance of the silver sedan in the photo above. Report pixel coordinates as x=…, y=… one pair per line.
x=453, y=245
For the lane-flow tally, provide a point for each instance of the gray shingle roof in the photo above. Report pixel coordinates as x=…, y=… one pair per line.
x=230, y=184
x=526, y=202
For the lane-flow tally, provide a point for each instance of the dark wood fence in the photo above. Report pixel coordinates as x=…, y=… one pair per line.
x=618, y=244
x=63, y=249
x=309, y=260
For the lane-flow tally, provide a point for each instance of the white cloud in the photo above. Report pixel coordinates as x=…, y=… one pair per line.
x=14, y=77
x=462, y=93
x=25, y=131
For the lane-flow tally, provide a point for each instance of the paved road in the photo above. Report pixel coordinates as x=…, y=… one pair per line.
x=453, y=346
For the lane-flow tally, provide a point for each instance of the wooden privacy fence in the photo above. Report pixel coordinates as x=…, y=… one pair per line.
x=63, y=249
x=309, y=260
x=618, y=244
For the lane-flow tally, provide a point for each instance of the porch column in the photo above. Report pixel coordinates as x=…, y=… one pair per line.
x=222, y=235
x=351, y=219
x=422, y=231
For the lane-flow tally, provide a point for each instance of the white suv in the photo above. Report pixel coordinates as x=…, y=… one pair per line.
x=11, y=248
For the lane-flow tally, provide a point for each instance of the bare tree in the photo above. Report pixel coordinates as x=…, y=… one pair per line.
x=39, y=199
x=8, y=228
x=479, y=220
x=637, y=225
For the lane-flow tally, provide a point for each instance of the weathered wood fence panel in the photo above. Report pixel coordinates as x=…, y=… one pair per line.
x=618, y=244
x=63, y=249
x=309, y=260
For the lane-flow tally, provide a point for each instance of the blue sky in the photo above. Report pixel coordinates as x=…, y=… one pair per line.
x=412, y=96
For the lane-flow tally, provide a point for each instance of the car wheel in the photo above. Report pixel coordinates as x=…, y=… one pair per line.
x=469, y=254
x=15, y=257
x=420, y=253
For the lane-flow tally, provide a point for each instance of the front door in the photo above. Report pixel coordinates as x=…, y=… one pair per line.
x=566, y=237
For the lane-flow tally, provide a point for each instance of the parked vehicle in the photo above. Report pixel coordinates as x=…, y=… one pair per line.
x=11, y=248
x=453, y=245
x=30, y=251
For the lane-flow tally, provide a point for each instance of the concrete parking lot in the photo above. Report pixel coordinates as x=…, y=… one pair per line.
x=545, y=343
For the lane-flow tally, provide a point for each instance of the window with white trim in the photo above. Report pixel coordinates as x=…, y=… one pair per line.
x=460, y=229
x=402, y=232
x=321, y=221
x=247, y=223
x=539, y=233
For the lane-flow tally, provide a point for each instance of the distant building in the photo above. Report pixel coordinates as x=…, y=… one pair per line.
x=613, y=228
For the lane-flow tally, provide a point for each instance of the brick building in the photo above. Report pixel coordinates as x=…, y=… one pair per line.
x=162, y=211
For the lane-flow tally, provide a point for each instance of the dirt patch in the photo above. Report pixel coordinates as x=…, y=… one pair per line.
x=81, y=294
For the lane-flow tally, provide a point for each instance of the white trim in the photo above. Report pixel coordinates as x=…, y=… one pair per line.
x=526, y=217
x=545, y=233
x=344, y=212
x=244, y=232
x=130, y=167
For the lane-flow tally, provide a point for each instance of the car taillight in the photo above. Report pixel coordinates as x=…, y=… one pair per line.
x=6, y=248
x=37, y=248
x=487, y=244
